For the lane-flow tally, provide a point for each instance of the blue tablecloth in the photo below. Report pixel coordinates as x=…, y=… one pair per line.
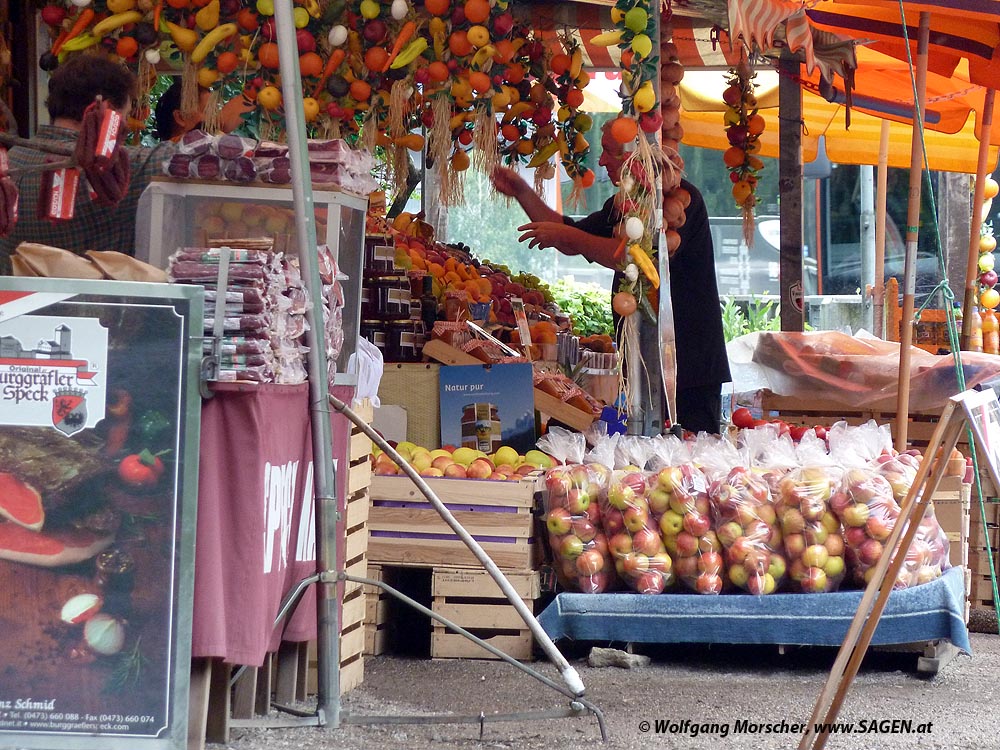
x=928, y=612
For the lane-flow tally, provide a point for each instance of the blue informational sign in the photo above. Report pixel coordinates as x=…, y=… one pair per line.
x=486, y=406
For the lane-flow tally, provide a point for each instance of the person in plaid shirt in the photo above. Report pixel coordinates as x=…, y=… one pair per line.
x=72, y=87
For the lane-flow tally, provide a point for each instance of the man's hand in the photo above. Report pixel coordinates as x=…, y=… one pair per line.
x=544, y=234
x=507, y=182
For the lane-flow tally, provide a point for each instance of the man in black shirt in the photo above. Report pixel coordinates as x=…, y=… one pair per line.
x=702, y=364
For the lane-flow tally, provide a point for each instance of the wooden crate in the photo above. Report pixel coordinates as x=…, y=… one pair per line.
x=377, y=612
x=406, y=530
x=472, y=599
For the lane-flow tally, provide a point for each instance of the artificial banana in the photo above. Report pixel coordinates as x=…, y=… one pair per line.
x=109, y=24
x=543, y=154
x=211, y=39
x=607, y=39
x=410, y=52
x=576, y=63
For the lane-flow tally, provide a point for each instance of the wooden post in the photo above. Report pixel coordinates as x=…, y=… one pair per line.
x=978, y=199
x=790, y=189
x=912, y=232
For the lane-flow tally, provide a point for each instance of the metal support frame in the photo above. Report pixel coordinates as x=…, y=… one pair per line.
x=573, y=688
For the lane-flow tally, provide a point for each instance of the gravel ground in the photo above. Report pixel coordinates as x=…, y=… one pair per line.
x=720, y=684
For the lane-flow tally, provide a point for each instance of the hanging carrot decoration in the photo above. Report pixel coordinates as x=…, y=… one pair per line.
x=79, y=26
x=156, y=16
x=620, y=250
x=336, y=58
x=405, y=34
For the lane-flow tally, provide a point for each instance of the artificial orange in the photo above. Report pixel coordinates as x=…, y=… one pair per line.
x=437, y=7
x=624, y=129
x=510, y=132
x=126, y=47
x=755, y=125
x=574, y=98
x=560, y=63
x=478, y=36
x=267, y=55
x=227, y=62
x=588, y=177
x=247, y=20
x=360, y=91
x=459, y=43
x=514, y=73
x=733, y=157
x=438, y=71
x=375, y=59
x=479, y=81
x=477, y=11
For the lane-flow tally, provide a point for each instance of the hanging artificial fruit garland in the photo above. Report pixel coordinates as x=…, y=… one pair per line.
x=743, y=129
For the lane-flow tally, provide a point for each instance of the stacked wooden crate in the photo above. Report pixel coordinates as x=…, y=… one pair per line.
x=406, y=531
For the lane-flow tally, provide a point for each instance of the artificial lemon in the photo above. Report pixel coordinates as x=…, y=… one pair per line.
x=642, y=45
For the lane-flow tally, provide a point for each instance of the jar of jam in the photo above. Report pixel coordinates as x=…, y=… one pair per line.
x=404, y=341
x=374, y=331
x=386, y=298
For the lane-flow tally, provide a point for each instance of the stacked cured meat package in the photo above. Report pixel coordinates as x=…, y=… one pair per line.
x=203, y=156
x=260, y=309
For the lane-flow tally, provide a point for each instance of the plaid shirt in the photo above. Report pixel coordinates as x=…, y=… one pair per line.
x=92, y=227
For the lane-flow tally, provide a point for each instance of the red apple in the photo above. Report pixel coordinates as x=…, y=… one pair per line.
x=646, y=541
x=708, y=583
x=589, y=562
x=696, y=524
x=635, y=518
x=709, y=562
x=687, y=544
x=634, y=563
x=620, y=545
x=584, y=529
x=870, y=552
x=651, y=582
x=878, y=528
x=815, y=581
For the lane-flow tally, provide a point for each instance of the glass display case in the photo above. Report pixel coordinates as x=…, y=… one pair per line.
x=174, y=214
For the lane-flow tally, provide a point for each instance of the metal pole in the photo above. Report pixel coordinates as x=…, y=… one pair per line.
x=328, y=625
x=878, y=313
x=868, y=278
x=912, y=232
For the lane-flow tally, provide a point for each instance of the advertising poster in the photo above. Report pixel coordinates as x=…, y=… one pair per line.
x=99, y=421
x=486, y=406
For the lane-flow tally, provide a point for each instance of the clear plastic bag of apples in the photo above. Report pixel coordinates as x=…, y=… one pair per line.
x=572, y=515
x=678, y=500
x=745, y=520
x=640, y=557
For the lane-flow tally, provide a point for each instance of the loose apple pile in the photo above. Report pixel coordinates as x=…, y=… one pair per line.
x=744, y=419
x=506, y=464
x=573, y=521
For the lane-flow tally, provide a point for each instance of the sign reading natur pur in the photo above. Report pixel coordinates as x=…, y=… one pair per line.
x=53, y=372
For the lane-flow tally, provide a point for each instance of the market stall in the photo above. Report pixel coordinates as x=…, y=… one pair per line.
x=270, y=221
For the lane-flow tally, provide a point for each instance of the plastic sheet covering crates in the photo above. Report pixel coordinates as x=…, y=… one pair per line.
x=472, y=599
x=406, y=530
x=981, y=584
